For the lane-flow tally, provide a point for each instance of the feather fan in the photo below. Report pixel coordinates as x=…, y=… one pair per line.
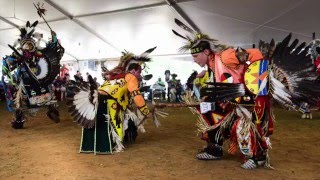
x=83, y=106
x=297, y=72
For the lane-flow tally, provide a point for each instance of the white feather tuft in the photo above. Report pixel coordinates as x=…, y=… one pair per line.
x=130, y=115
x=43, y=68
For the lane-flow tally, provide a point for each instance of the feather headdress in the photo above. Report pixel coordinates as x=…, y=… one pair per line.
x=27, y=40
x=128, y=58
x=195, y=38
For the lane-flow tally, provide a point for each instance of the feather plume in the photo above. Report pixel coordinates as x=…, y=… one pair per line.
x=222, y=91
x=292, y=65
x=183, y=26
x=177, y=34
x=147, y=52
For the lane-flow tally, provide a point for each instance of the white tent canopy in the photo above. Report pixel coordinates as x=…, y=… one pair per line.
x=101, y=29
x=98, y=29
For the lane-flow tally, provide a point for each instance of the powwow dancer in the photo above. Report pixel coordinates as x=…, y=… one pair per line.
x=241, y=111
x=32, y=69
x=101, y=110
x=314, y=51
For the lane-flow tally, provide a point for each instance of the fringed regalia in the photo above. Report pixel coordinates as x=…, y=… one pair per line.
x=102, y=111
x=31, y=69
x=244, y=81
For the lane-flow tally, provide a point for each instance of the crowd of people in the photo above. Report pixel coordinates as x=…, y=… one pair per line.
x=170, y=91
x=62, y=86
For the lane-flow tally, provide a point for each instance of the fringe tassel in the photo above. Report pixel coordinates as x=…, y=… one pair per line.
x=201, y=124
x=157, y=113
x=188, y=98
x=115, y=137
x=155, y=120
x=228, y=119
x=161, y=113
x=130, y=115
x=267, y=164
x=141, y=122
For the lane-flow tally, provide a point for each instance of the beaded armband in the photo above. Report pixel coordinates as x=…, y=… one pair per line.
x=135, y=93
x=144, y=110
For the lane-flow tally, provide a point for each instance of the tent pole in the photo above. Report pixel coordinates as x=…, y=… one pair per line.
x=81, y=24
